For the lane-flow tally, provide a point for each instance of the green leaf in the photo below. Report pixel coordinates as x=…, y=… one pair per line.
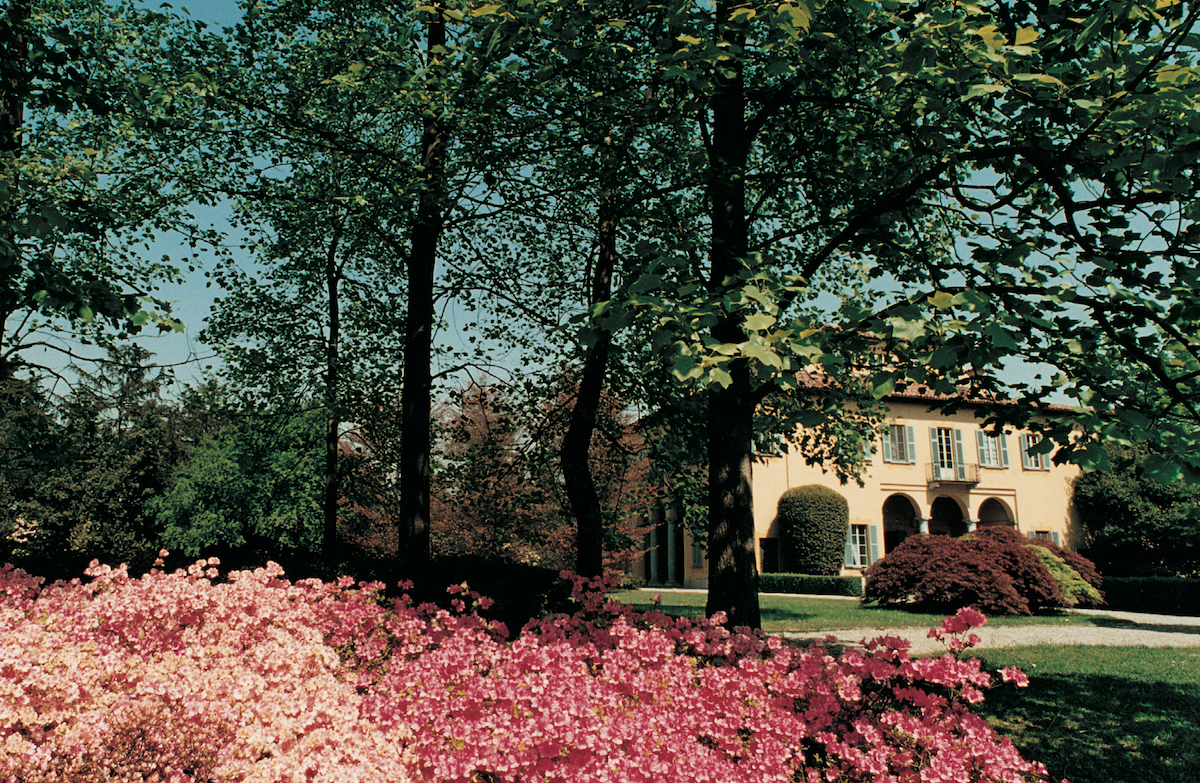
x=759, y=321
x=979, y=90
x=882, y=384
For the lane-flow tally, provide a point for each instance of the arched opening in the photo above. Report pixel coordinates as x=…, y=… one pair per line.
x=994, y=512
x=899, y=521
x=946, y=518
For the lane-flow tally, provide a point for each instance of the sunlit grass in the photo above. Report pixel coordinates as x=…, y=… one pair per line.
x=805, y=615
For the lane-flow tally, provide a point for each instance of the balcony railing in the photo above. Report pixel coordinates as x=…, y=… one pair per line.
x=964, y=473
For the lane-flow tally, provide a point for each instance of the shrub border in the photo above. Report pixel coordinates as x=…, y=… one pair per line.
x=812, y=584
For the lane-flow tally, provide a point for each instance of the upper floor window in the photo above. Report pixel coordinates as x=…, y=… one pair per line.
x=900, y=444
x=992, y=448
x=946, y=452
x=1033, y=461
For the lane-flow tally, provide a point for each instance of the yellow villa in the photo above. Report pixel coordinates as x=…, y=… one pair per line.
x=929, y=473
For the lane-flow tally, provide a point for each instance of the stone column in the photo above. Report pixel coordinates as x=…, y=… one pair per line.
x=654, y=577
x=672, y=554
x=923, y=525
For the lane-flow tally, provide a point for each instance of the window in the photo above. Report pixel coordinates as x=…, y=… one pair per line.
x=862, y=546
x=992, y=448
x=1045, y=535
x=697, y=554
x=1033, y=461
x=946, y=452
x=899, y=444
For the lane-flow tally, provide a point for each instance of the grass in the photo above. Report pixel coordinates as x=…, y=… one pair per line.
x=1103, y=714
x=1090, y=714
x=782, y=613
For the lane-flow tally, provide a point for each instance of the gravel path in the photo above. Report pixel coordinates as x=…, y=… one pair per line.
x=1111, y=628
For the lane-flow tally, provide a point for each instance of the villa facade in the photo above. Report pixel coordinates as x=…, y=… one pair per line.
x=929, y=473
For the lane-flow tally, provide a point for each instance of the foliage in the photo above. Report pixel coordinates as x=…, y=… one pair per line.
x=1103, y=714
x=962, y=187
x=1153, y=594
x=90, y=462
x=251, y=492
x=932, y=572
x=1137, y=525
x=812, y=529
x=1081, y=565
x=331, y=680
x=809, y=584
x=499, y=491
x=1071, y=586
x=1012, y=552
x=994, y=569
x=92, y=167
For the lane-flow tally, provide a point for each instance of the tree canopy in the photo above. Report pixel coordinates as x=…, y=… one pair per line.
x=738, y=193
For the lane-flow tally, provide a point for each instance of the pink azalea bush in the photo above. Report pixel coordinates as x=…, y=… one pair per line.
x=181, y=677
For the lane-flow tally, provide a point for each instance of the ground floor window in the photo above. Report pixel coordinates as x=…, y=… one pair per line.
x=862, y=546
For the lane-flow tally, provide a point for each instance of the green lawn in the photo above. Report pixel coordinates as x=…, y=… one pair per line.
x=1103, y=714
x=805, y=615
x=1090, y=714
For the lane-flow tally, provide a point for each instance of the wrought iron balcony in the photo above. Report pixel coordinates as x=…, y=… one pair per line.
x=962, y=473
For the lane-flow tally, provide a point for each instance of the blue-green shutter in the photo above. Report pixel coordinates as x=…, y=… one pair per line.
x=934, y=456
x=1025, y=461
x=849, y=550
x=911, y=440
x=981, y=446
x=1002, y=439
x=960, y=460
x=1054, y=537
x=872, y=544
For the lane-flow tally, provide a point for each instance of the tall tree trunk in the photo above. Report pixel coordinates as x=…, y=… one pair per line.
x=732, y=574
x=416, y=404
x=576, y=445
x=330, y=540
x=14, y=65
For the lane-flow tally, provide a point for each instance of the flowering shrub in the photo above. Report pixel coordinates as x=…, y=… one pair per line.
x=178, y=677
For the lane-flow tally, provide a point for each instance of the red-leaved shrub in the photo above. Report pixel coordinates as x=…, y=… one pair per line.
x=1012, y=552
x=177, y=677
x=992, y=570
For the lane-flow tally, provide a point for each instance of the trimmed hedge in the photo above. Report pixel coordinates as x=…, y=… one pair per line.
x=1153, y=594
x=812, y=529
x=811, y=584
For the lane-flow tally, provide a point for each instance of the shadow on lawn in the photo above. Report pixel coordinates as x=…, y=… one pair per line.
x=1117, y=622
x=1102, y=729
x=777, y=615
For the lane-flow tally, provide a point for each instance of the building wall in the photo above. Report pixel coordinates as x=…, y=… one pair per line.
x=910, y=496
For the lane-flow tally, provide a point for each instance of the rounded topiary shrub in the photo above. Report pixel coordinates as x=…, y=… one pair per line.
x=812, y=524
